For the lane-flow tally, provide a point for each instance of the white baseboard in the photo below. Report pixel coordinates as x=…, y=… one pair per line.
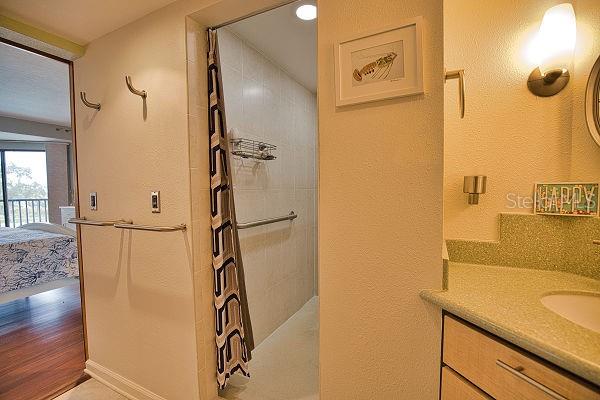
x=118, y=383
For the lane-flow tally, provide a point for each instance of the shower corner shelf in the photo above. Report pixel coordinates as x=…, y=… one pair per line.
x=248, y=148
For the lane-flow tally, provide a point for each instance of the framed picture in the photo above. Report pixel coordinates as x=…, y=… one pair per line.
x=380, y=65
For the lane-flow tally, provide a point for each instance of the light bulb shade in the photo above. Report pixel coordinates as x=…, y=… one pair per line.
x=556, y=38
x=306, y=12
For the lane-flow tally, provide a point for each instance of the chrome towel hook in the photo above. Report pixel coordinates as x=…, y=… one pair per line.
x=460, y=75
x=85, y=101
x=141, y=93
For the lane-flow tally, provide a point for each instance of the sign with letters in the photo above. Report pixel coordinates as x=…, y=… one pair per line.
x=568, y=199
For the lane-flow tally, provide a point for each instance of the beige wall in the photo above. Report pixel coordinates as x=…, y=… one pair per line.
x=380, y=218
x=508, y=134
x=586, y=153
x=139, y=293
x=263, y=103
x=58, y=180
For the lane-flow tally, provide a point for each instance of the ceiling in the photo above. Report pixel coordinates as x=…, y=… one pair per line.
x=79, y=21
x=34, y=87
x=284, y=39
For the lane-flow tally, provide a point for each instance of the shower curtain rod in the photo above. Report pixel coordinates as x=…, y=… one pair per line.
x=264, y=10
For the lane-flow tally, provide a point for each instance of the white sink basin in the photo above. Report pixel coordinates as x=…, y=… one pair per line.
x=581, y=308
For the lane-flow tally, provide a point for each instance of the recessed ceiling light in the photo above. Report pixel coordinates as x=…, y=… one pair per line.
x=306, y=12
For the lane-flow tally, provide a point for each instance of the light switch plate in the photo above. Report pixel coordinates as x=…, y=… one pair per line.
x=155, y=201
x=93, y=201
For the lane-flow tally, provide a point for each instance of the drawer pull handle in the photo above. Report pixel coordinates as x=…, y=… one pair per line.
x=532, y=382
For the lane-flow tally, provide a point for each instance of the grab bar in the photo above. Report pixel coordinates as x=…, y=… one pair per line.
x=85, y=221
x=245, y=225
x=181, y=227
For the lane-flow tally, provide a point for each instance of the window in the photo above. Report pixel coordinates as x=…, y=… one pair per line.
x=24, y=196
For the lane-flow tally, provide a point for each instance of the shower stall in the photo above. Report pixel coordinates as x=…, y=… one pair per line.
x=271, y=124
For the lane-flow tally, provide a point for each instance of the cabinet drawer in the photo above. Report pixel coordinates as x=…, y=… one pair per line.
x=455, y=387
x=505, y=372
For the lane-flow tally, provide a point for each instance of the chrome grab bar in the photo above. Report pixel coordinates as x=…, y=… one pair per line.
x=85, y=221
x=245, y=225
x=181, y=227
x=516, y=372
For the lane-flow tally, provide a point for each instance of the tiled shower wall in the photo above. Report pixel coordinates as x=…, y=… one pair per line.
x=263, y=103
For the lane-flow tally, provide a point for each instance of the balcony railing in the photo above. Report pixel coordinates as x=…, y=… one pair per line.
x=26, y=211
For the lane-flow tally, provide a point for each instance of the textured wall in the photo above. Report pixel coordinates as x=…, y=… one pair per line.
x=264, y=103
x=58, y=180
x=138, y=285
x=380, y=218
x=586, y=153
x=508, y=134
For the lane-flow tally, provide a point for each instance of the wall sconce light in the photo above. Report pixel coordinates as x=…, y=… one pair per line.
x=474, y=186
x=555, y=44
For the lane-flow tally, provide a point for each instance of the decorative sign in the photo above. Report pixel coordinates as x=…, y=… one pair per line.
x=568, y=199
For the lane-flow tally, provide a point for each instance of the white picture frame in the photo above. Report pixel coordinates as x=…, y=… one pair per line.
x=380, y=64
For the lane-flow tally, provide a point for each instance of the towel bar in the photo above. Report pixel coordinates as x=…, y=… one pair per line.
x=181, y=227
x=85, y=221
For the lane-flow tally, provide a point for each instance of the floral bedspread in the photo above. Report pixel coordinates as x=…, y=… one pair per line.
x=30, y=257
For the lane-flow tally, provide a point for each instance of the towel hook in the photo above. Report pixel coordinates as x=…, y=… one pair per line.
x=458, y=74
x=141, y=93
x=87, y=103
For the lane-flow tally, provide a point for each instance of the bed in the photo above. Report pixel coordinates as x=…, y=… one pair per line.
x=36, y=254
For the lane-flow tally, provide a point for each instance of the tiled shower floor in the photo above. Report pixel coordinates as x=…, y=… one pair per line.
x=285, y=365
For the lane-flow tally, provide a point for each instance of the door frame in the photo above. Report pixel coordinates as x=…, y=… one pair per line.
x=75, y=175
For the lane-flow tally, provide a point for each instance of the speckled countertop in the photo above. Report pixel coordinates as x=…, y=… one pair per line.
x=506, y=302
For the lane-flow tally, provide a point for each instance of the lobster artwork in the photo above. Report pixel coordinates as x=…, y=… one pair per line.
x=378, y=69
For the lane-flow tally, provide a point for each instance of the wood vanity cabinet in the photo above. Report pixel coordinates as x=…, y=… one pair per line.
x=480, y=366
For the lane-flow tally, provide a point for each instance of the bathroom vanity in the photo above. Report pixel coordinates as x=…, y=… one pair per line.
x=477, y=365
x=501, y=342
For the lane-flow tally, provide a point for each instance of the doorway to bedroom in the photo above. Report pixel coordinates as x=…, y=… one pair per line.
x=42, y=344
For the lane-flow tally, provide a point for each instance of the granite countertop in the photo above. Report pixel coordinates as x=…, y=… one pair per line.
x=505, y=301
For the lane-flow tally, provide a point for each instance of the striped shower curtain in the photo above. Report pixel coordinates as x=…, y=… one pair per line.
x=232, y=321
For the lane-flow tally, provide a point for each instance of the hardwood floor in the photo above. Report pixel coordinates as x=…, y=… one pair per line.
x=41, y=345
